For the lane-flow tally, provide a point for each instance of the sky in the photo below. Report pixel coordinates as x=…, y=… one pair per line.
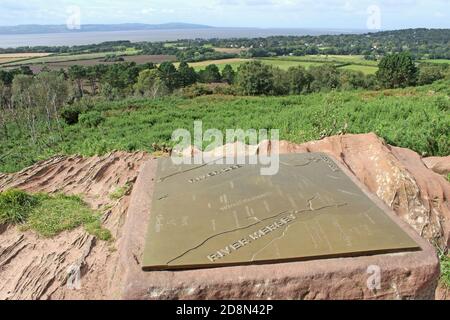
x=336, y=14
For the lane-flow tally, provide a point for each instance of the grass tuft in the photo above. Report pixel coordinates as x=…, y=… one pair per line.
x=120, y=192
x=445, y=270
x=49, y=215
x=16, y=206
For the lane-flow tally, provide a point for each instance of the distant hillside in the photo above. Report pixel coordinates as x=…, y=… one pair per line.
x=42, y=29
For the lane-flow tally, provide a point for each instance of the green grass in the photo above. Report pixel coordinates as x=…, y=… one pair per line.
x=16, y=206
x=363, y=69
x=219, y=64
x=358, y=59
x=441, y=61
x=120, y=192
x=286, y=64
x=415, y=118
x=49, y=215
x=356, y=63
x=445, y=270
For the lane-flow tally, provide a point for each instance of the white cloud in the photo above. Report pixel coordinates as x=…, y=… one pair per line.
x=261, y=13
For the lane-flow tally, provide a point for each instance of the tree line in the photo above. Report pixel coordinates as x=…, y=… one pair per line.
x=420, y=43
x=51, y=96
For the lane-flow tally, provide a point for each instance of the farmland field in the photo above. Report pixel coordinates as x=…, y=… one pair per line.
x=230, y=50
x=69, y=57
x=353, y=59
x=12, y=57
x=355, y=63
x=139, y=59
x=363, y=69
x=443, y=61
x=234, y=62
x=285, y=64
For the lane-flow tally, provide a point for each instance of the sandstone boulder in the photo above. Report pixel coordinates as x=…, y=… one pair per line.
x=32, y=267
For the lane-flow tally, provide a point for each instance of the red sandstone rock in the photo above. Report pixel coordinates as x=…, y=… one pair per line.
x=407, y=275
x=32, y=267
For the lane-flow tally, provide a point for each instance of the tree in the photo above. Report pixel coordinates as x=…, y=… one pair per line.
x=151, y=84
x=120, y=77
x=211, y=74
x=255, y=78
x=280, y=82
x=91, y=75
x=109, y=92
x=6, y=77
x=187, y=75
x=169, y=75
x=324, y=77
x=77, y=73
x=228, y=74
x=22, y=104
x=50, y=93
x=429, y=73
x=4, y=103
x=352, y=80
x=397, y=71
x=299, y=80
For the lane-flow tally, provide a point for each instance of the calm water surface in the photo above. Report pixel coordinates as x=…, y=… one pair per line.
x=81, y=38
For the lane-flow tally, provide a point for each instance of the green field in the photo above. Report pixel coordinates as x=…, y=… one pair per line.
x=359, y=60
x=363, y=69
x=444, y=61
x=355, y=63
x=416, y=118
x=234, y=62
x=286, y=64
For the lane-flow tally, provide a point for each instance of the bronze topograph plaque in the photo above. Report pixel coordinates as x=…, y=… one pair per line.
x=205, y=216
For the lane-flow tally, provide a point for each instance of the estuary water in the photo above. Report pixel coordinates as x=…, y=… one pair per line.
x=83, y=38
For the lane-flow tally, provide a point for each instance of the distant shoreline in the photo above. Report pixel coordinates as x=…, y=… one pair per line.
x=87, y=38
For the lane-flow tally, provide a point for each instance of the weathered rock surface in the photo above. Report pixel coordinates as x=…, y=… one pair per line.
x=439, y=165
x=32, y=267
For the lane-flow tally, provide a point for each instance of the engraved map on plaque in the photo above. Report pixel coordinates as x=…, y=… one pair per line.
x=205, y=216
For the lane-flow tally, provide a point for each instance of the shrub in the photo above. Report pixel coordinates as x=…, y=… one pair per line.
x=71, y=113
x=120, y=192
x=211, y=74
x=429, y=73
x=324, y=78
x=91, y=119
x=16, y=206
x=397, y=71
x=255, y=78
x=225, y=89
x=196, y=90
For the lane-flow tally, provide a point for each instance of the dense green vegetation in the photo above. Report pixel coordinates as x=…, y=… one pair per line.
x=397, y=71
x=97, y=108
x=422, y=43
x=417, y=118
x=49, y=215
